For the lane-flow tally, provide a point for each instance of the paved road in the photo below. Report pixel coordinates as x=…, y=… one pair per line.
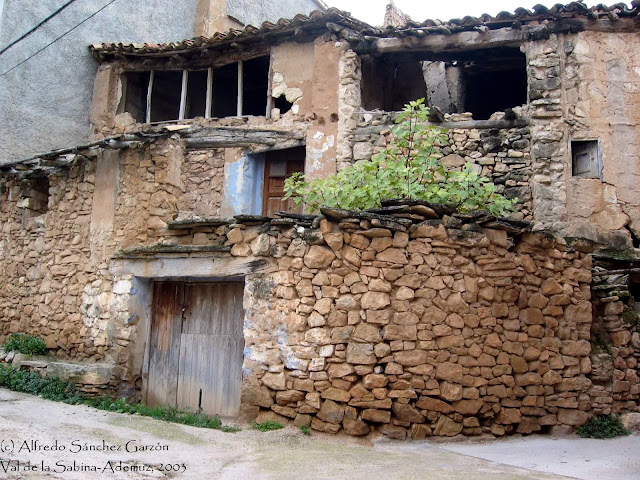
x=45, y=439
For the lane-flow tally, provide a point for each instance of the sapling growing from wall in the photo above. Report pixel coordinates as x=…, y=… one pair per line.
x=408, y=168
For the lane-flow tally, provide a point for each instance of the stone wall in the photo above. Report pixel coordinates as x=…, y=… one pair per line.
x=502, y=155
x=430, y=331
x=600, y=75
x=615, y=335
x=57, y=282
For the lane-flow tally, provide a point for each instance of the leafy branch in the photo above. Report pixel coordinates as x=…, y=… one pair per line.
x=409, y=168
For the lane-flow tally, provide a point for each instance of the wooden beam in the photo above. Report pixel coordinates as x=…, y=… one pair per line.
x=458, y=41
x=467, y=124
x=200, y=266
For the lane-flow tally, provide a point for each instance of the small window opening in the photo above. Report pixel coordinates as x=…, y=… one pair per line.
x=280, y=165
x=586, y=159
x=135, y=86
x=495, y=81
x=282, y=104
x=255, y=76
x=34, y=197
x=196, y=105
x=165, y=95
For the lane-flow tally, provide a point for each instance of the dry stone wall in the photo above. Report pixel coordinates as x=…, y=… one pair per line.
x=57, y=283
x=615, y=334
x=502, y=155
x=415, y=333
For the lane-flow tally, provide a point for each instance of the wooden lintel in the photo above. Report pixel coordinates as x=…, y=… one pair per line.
x=142, y=252
x=192, y=267
x=466, y=125
x=242, y=138
x=469, y=40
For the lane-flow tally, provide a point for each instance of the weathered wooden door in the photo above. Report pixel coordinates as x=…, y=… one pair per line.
x=279, y=165
x=199, y=365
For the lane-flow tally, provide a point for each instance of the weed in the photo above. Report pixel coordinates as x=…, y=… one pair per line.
x=166, y=413
x=267, y=426
x=603, y=426
x=304, y=429
x=53, y=388
x=26, y=344
x=630, y=317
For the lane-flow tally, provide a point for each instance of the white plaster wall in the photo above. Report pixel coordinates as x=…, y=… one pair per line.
x=254, y=12
x=45, y=102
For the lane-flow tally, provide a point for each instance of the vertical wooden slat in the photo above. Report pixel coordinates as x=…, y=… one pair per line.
x=209, y=102
x=240, y=87
x=269, y=87
x=183, y=94
x=149, y=90
x=164, y=352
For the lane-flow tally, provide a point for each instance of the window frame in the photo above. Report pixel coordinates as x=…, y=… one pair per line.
x=209, y=92
x=594, y=148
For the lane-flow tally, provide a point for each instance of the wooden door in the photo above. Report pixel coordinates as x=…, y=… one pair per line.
x=210, y=349
x=164, y=350
x=279, y=165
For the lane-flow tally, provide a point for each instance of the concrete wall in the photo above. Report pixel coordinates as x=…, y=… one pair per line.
x=45, y=102
x=254, y=12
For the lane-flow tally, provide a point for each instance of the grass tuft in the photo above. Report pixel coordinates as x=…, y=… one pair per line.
x=52, y=388
x=305, y=430
x=267, y=426
x=603, y=426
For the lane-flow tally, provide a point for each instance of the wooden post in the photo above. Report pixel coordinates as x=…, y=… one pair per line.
x=148, y=116
x=269, y=87
x=183, y=94
x=239, y=108
x=207, y=113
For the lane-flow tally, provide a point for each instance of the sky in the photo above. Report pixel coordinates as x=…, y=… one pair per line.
x=372, y=11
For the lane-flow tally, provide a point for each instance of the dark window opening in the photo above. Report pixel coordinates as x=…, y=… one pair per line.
x=165, y=95
x=389, y=84
x=586, y=159
x=480, y=81
x=279, y=165
x=282, y=104
x=495, y=84
x=135, y=86
x=225, y=91
x=35, y=196
x=255, y=76
x=196, y=105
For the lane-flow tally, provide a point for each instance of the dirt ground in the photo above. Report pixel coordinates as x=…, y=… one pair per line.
x=42, y=439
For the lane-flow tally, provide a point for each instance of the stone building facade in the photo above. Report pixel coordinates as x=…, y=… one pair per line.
x=150, y=248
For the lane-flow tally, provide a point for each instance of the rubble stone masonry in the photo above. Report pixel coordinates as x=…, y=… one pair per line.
x=432, y=332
